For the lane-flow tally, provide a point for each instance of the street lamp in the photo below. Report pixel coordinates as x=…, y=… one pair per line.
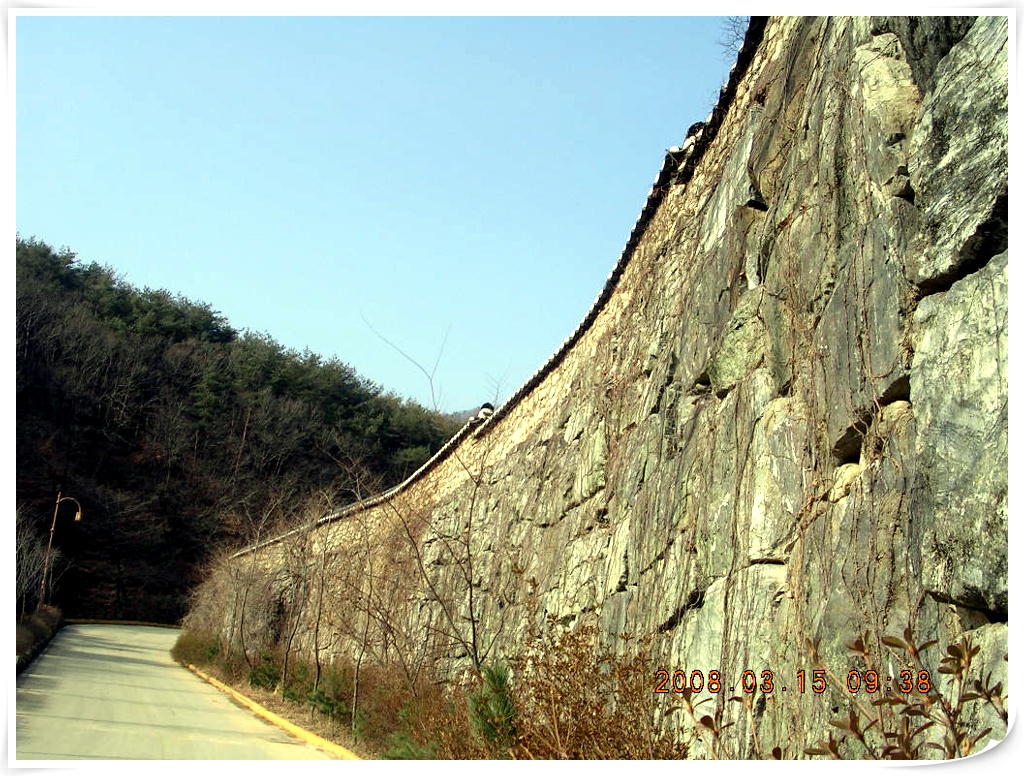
x=49, y=546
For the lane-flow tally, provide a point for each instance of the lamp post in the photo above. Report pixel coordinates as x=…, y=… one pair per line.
x=49, y=546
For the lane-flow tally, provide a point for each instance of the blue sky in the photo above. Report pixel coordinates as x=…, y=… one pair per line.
x=455, y=183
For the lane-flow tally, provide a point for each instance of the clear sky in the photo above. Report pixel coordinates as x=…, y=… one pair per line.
x=455, y=183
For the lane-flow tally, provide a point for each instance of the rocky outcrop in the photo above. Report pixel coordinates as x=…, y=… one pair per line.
x=781, y=429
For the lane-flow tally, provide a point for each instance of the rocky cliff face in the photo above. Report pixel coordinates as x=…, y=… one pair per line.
x=782, y=428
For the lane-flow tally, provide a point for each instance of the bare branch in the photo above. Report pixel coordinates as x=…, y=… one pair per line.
x=429, y=375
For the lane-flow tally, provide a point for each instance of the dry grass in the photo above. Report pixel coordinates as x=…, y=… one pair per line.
x=308, y=718
x=565, y=698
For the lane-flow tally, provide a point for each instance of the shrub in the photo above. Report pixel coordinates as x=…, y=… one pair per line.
x=34, y=632
x=929, y=720
x=493, y=710
x=402, y=746
x=195, y=648
x=579, y=700
x=266, y=674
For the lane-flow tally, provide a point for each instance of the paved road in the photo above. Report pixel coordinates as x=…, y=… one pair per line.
x=112, y=692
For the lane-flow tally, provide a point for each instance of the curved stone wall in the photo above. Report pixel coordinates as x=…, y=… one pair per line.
x=781, y=428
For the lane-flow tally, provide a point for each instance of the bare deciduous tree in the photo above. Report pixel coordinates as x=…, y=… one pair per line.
x=733, y=32
x=29, y=562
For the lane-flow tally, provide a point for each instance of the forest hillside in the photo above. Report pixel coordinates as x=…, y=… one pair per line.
x=178, y=435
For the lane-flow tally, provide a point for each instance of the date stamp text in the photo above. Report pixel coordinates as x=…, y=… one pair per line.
x=765, y=681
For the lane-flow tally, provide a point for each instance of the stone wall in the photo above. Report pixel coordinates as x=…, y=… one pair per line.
x=783, y=426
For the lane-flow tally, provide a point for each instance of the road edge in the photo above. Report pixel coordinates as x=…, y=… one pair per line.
x=310, y=738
